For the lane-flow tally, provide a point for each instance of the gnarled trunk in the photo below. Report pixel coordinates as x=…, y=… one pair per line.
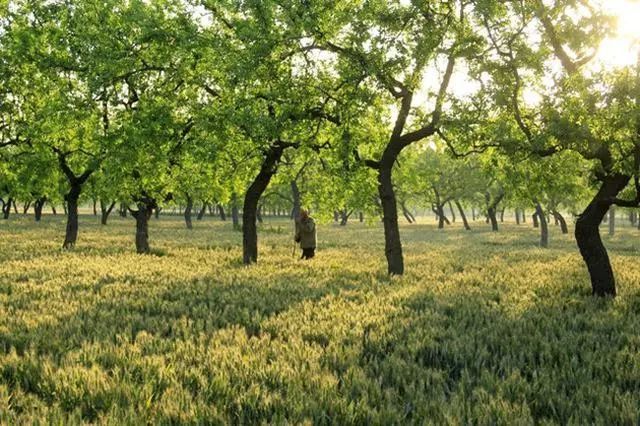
x=187, y=213
x=462, y=215
x=71, y=199
x=142, y=216
x=37, y=207
x=105, y=211
x=544, y=230
x=587, y=234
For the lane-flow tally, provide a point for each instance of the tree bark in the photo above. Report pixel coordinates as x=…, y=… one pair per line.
x=53, y=210
x=223, y=216
x=453, y=213
x=534, y=217
x=157, y=211
x=517, y=216
x=72, y=198
x=15, y=206
x=105, y=211
x=202, y=211
x=502, y=214
x=252, y=197
x=462, y=215
x=25, y=207
x=295, y=192
x=405, y=212
x=561, y=221
x=544, y=230
x=361, y=217
x=392, y=244
x=6, y=208
x=187, y=213
x=587, y=234
x=142, y=216
x=344, y=217
x=259, y=214
x=235, y=215
x=442, y=218
x=37, y=208
x=612, y=221
x=95, y=207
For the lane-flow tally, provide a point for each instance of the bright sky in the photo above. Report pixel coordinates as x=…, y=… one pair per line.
x=623, y=49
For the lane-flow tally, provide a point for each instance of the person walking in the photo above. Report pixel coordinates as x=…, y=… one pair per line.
x=306, y=234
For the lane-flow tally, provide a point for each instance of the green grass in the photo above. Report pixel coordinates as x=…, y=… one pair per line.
x=483, y=328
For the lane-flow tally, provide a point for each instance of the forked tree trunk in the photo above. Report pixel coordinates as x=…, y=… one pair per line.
x=442, y=218
x=25, y=207
x=223, y=216
x=491, y=215
x=544, y=230
x=344, y=217
x=561, y=221
x=37, y=208
x=203, y=211
x=105, y=211
x=587, y=234
x=6, y=208
x=462, y=215
x=187, y=213
x=142, y=216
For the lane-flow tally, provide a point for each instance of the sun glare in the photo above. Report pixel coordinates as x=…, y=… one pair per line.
x=622, y=49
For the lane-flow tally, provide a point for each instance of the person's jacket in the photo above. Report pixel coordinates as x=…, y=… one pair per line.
x=306, y=233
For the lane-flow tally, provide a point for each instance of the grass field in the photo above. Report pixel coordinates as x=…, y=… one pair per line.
x=484, y=328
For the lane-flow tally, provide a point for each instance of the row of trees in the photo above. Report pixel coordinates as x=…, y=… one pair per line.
x=182, y=100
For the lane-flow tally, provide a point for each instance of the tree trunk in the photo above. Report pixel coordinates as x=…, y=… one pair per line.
x=142, y=216
x=259, y=214
x=157, y=211
x=6, y=208
x=105, y=211
x=407, y=215
x=442, y=218
x=15, y=206
x=123, y=210
x=524, y=216
x=561, y=221
x=25, y=207
x=95, y=207
x=72, y=198
x=502, y=214
x=295, y=192
x=453, y=213
x=612, y=221
x=187, y=213
x=336, y=216
x=37, y=207
x=587, y=234
x=235, y=215
x=392, y=244
x=534, y=217
x=361, y=217
x=223, y=216
x=473, y=214
x=544, y=230
x=517, y=216
x=344, y=217
x=202, y=211
x=53, y=210
x=491, y=214
x=462, y=215
x=251, y=199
